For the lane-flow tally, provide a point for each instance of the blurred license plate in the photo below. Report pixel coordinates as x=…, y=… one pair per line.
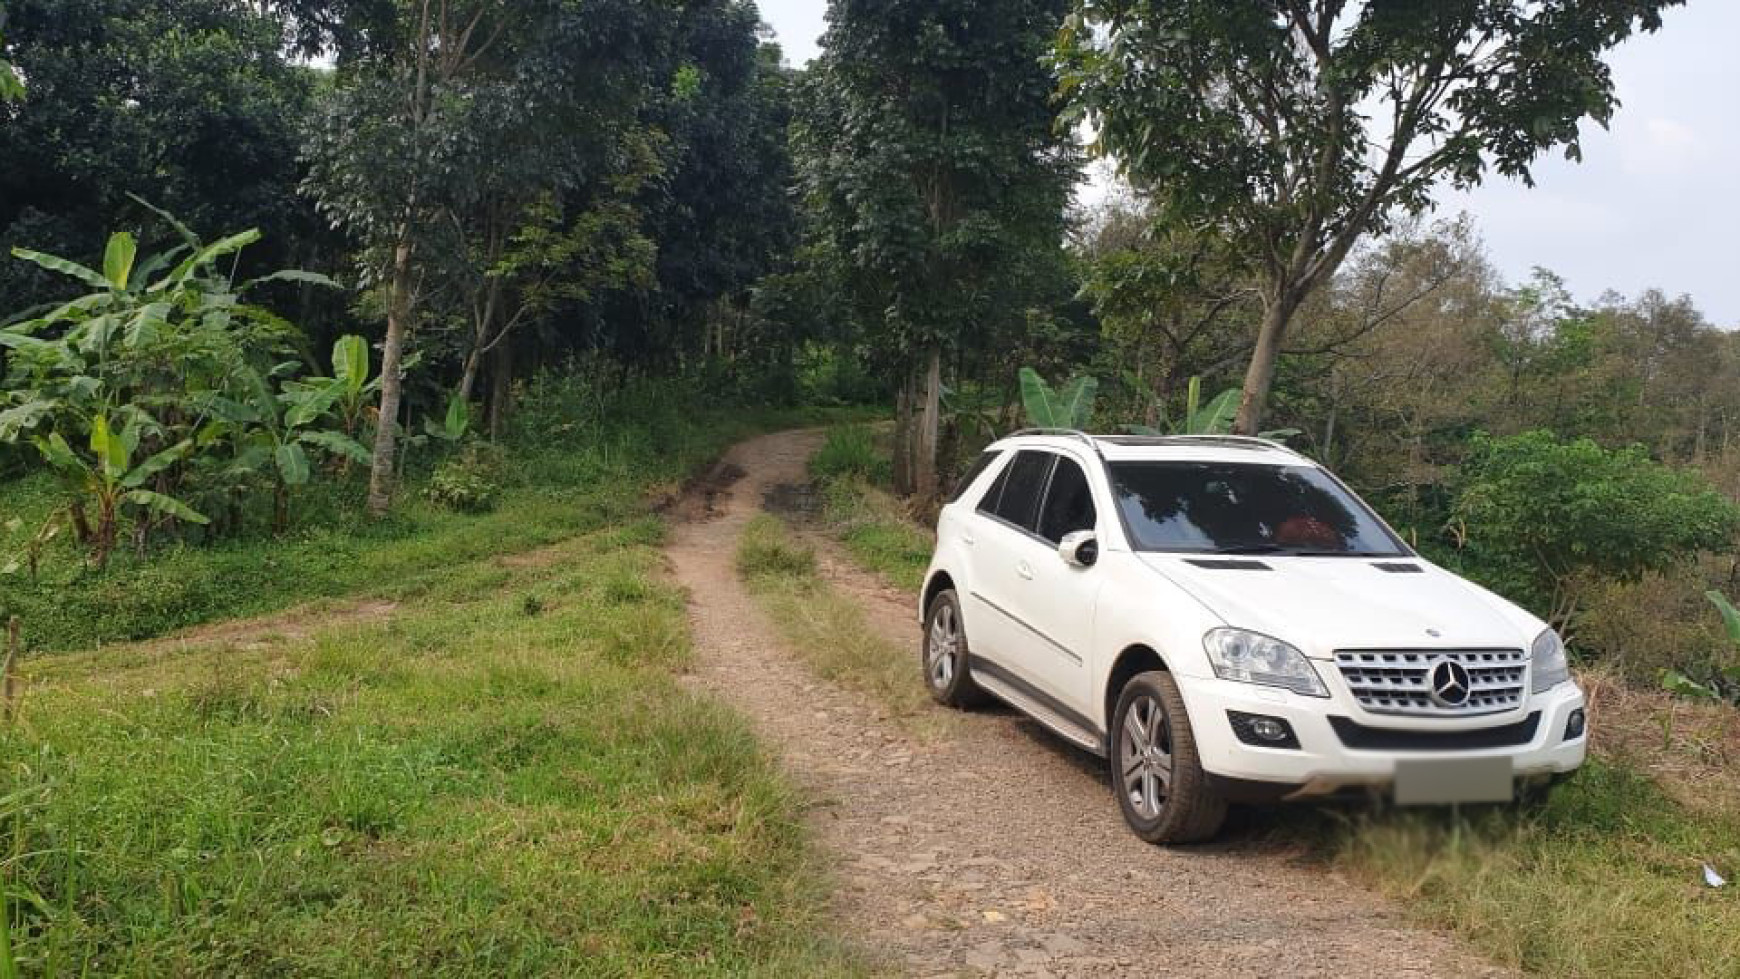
x=1441, y=782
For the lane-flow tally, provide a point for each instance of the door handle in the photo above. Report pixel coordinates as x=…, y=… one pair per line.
x=1025, y=570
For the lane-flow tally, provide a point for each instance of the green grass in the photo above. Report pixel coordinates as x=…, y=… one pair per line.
x=1604, y=880
x=851, y=450
x=578, y=468
x=503, y=779
x=876, y=532
x=828, y=630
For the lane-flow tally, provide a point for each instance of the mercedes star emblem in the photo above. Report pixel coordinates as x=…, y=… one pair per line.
x=1451, y=684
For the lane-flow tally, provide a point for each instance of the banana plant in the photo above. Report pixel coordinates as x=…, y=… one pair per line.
x=1071, y=407
x=108, y=477
x=1214, y=418
x=273, y=433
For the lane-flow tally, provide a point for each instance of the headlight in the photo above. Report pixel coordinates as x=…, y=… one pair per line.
x=1251, y=657
x=1551, y=668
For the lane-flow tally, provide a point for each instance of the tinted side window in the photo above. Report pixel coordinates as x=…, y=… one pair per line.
x=988, y=502
x=1022, y=487
x=979, y=465
x=1069, y=504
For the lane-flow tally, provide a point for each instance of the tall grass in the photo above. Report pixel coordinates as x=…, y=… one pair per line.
x=851, y=451
x=504, y=779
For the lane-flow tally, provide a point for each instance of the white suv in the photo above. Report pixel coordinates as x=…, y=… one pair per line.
x=1225, y=621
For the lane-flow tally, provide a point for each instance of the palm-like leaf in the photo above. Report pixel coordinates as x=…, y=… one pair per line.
x=89, y=277
x=1038, y=399
x=118, y=259
x=1730, y=615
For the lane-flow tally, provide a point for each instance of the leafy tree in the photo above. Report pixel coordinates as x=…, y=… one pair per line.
x=1297, y=127
x=931, y=153
x=1538, y=517
x=193, y=104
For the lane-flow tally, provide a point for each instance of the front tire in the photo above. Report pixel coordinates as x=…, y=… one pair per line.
x=1157, y=774
x=944, y=655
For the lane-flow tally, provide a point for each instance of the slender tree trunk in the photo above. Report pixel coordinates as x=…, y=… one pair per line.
x=929, y=428
x=500, y=390
x=468, y=380
x=392, y=385
x=1277, y=313
x=903, y=483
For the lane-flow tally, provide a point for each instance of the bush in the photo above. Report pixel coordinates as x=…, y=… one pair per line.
x=851, y=451
x=469, y=482
x=1540, y=519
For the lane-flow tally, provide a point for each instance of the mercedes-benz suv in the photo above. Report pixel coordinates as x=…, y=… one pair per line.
x=1224, y=621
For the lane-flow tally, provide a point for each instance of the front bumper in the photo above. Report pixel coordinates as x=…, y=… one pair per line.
x=1324, y=764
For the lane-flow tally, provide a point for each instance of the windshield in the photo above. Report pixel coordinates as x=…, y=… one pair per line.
x=1240, y=508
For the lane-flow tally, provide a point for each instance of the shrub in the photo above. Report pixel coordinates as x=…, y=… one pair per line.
x=1539, y=519
x=469, y=482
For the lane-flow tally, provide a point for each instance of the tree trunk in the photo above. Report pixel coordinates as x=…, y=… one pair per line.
x=903, y=484
x=1277, y=313
x=392, y=385
x=929, y=426
x=500, y=390
x=468, y=380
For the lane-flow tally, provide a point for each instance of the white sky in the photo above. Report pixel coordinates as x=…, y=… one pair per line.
x=1656, y=201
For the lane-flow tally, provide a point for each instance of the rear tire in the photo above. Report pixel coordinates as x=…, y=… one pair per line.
x=944, y=655
x=1157, y=775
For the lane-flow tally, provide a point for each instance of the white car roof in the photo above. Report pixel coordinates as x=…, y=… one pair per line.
x=1166, y=448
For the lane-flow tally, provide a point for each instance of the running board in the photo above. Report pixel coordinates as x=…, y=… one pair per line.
x=1064, y=728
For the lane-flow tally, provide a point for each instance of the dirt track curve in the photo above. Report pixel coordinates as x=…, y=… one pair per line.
x=998, y=850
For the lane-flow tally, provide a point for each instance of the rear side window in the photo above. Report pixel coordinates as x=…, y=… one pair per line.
x=1015, y=497
x=1069, y=504
x=979, y=465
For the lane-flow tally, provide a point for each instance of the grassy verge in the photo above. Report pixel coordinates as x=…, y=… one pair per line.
x=575, y=468
x=1605, y=880
x=852, y=470
x=829, y=630
x=503, y=779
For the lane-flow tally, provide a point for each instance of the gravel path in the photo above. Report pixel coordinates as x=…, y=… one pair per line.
x=998, y=850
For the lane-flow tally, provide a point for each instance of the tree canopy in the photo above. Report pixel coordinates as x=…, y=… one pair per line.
x=1296, y=127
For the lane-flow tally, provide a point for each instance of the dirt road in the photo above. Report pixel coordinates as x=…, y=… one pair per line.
x=998, y=850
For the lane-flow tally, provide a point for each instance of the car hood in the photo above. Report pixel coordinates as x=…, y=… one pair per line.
x=1324, y=604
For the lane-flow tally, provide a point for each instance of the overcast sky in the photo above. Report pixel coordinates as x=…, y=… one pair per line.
x=1656, y=201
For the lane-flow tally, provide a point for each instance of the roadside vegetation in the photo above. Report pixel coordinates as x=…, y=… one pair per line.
x=852, y=473
x=503, y=777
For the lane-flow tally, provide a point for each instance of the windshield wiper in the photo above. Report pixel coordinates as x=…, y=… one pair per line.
x=1245, y=549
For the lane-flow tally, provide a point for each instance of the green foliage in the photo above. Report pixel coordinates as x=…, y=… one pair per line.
x=576, y=444
x=1536, y=514
x=1299, y=130
x=470, y=482
x=1070, y=407
x=130, y=391
x=851, y=451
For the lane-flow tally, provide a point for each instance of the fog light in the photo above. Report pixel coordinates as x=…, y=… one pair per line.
x=1262, y=731
x=1574, y=726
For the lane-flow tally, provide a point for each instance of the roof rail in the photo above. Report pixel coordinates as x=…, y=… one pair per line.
x=1069, y=433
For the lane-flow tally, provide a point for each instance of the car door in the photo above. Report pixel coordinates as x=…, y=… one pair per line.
x=1057, y=601
x=1003, y=525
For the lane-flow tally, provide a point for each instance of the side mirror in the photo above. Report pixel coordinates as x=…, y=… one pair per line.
x=1079, y=549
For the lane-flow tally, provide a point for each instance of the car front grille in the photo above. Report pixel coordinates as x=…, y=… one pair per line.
x=1399, y=681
